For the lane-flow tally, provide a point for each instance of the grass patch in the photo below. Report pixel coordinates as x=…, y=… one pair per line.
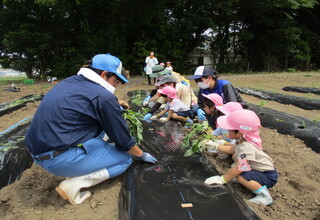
x=9, y=80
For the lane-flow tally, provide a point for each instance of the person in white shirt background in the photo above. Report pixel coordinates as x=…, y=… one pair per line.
x=150, y=62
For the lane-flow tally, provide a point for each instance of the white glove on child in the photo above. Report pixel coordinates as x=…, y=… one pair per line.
x=215, y=180
x=211, y=145
x=164, y=119
x=153, y=117
x=220, y=141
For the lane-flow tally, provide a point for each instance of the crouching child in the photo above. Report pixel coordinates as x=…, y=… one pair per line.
x=254, y=168
x=176, y=109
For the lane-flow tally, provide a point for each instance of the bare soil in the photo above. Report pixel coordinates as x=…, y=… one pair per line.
x=296, y=195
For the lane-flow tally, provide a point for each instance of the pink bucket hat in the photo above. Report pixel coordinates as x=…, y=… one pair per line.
x=169, y=91
x=230, y=107
x=245, y=121
x=215, y=98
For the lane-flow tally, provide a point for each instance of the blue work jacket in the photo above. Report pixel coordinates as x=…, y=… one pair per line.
x=74, y=111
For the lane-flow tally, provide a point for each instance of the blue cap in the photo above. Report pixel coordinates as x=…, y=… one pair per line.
x=109, y=63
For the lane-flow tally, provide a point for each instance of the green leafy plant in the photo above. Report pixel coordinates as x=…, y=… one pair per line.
x=135, y=125
x=138, y=97
x=193, y=142
x=144, y=110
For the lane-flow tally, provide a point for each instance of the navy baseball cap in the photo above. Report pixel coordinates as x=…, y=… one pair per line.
x=202, y=71
x=109, y=63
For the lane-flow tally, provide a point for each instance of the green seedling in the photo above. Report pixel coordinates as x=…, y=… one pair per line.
x=303, y=124
x=262, y=103
x=22, y=101
x=135, y=125
x=11, y=144
x=193, y=142
x=144, y=110
x=136, y=99
x=279, y=120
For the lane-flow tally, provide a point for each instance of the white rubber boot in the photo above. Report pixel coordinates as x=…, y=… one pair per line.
x=263, y=196
x=69, y=189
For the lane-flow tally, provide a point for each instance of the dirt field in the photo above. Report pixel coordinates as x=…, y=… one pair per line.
x=296, y=196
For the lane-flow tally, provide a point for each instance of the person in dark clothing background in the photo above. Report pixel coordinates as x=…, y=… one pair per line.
x=207, y=79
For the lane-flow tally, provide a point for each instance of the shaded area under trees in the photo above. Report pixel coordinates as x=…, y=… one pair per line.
x=55, y=37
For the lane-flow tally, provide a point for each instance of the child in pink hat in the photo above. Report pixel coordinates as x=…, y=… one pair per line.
x=254, y=169
x=176, y=109
x=225, y=110
x=222, y=134
x=210, y=103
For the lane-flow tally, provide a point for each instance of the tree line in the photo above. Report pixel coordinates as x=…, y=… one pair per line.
x=55, y=37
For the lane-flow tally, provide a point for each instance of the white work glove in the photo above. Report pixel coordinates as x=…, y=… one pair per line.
x=163, y=119
x=215, y=180
x=154, y=117
x=211, y=145
x=220, y=141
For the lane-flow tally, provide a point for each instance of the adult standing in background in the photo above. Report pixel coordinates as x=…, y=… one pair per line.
x=150, y=62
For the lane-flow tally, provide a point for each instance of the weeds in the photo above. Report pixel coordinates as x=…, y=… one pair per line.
x=259, y=87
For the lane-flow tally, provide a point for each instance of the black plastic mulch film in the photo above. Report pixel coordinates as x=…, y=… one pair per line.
x=174, y=188
x=304, y=103
x=14, y=156
x=299, y=127
x=6, y=108
x=302, y=89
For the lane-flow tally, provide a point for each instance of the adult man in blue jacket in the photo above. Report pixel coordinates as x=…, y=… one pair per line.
x=207, y=80
x=66, y=133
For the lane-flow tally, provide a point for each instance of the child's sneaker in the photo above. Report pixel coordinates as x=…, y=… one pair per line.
x=188, y=122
